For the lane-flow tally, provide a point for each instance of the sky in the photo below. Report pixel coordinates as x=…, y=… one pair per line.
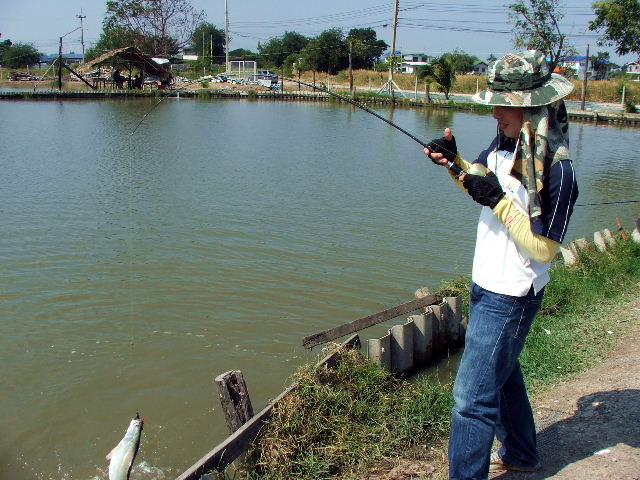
x=476, y=27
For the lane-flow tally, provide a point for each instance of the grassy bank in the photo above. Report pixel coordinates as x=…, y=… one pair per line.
x=338, y=423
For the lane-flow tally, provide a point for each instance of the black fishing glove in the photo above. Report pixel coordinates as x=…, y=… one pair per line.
x=446, y=147
x=484, y=190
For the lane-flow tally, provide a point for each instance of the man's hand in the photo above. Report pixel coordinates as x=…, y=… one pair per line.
x=442, y=150
x=484, y=190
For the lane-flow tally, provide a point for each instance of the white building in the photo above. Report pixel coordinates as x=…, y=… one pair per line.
x=633, y=68
x=411, y=62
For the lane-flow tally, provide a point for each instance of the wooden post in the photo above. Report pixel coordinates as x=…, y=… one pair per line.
x=237, y=444
x=584, y=80
x=351, y=69
x=235, y=400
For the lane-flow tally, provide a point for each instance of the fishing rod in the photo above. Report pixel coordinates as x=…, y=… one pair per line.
x=455, y=168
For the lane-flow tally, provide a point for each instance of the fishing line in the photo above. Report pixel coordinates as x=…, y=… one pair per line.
x=130, y=248
x=605, y=203
x=153, y=108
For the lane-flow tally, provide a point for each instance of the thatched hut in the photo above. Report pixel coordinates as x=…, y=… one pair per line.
x=128, y=60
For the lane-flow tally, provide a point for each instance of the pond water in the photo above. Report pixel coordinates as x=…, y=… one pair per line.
x=136, y=267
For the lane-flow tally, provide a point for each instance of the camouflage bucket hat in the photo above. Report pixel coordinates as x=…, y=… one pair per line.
x=522, y=80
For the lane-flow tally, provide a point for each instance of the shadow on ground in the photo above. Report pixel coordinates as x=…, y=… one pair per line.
x=602, y=421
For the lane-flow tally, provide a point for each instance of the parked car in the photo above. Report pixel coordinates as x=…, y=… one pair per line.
x=264, y=75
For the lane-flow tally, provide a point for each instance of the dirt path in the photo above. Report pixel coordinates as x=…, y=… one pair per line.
x=588, y=426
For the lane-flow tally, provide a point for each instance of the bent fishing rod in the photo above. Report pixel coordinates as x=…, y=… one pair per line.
x=455, y=168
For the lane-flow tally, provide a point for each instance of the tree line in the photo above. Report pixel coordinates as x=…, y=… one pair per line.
x=167, y=27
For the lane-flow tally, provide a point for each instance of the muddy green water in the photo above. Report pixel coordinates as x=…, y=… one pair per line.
x=136, y=268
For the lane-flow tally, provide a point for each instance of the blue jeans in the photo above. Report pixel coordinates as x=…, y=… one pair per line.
x=490, y=394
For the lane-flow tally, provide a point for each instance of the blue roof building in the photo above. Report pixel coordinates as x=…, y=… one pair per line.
x=67, y=57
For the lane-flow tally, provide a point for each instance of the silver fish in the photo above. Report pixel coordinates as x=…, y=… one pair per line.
x=121, y=457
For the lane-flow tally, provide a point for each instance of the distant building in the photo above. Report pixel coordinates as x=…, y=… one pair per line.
x=577, y=65
x=480, y=68
x=409, y=62
x=633, y=68
x=68, y=58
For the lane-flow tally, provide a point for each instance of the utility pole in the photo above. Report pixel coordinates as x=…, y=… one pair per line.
x=393, y=47
x=60, y=65
x=584, y=79
x=391, y=83
x=81, y=32
x=226, y=36
x=351, y=67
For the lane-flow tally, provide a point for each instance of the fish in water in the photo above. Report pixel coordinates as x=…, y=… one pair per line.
x=121, y=457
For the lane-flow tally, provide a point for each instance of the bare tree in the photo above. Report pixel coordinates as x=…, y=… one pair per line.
x=537, y=27
x=161, y=26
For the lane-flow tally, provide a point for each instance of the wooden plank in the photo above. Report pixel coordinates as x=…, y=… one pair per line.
x=368, y=321
x=238, y=443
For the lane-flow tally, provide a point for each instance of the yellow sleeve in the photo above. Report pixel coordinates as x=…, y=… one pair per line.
x=540, y=248
x=465, y=166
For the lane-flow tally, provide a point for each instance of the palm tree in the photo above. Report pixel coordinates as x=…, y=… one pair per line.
x=442, y=72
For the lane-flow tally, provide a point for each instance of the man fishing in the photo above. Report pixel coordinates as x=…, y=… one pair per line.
x=526, y=184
